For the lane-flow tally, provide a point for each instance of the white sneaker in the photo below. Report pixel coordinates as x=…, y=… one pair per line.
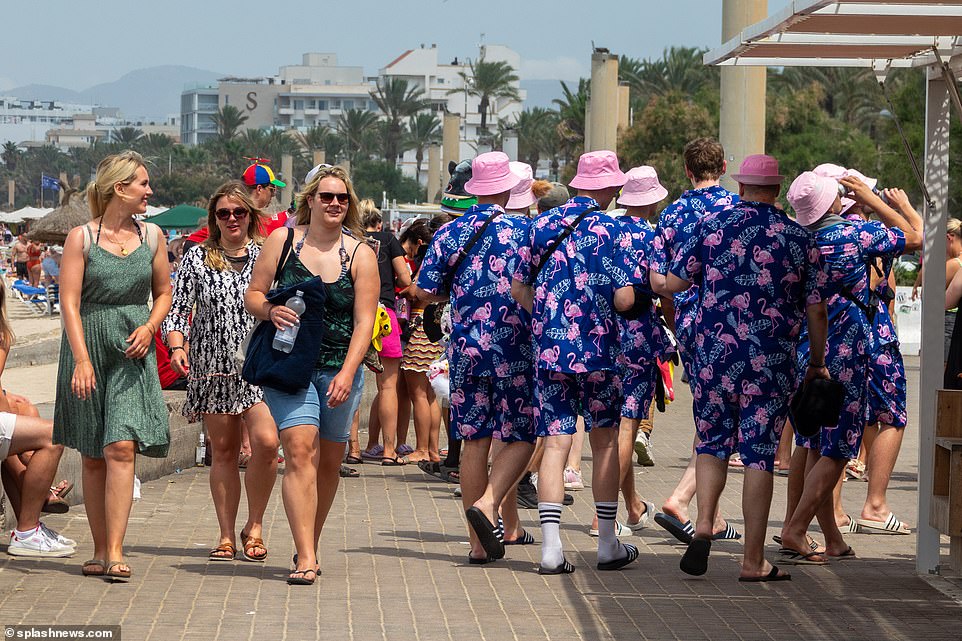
x=573, y=480
x=643, y=450
x=38, y=544
x=56, y=535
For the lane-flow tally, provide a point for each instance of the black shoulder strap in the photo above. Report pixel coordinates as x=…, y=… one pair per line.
x=464, y=251
x=285, y=254
x=567, y=231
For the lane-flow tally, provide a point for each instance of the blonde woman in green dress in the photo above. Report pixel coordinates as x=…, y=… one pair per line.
x=109, y=401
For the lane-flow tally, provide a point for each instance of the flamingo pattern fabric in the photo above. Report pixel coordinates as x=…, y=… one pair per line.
x=756, y=283
x=573, y=318
x=758, y=271
x=853, y=342
x=643, y=339
x=676, y=225
x=490, y=333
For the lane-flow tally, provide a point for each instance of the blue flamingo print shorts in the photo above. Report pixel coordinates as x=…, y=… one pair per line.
x=493, y=407
x=562, y=397
x=750, y=425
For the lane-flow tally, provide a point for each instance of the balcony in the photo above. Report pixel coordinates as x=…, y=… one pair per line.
x=285, y=111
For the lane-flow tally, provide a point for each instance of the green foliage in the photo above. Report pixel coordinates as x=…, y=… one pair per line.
x=372, y=177
x=397, y=101
x=489, y=81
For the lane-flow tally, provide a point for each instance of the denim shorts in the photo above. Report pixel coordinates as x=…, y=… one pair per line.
x=309, y=406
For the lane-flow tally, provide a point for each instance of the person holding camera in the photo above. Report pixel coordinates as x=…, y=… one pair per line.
x=848, y=250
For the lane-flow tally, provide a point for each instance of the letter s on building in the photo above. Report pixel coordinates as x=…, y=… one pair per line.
x=251, y=100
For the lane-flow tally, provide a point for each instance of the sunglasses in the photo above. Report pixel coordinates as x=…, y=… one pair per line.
x=327, y=197
x=239, y=213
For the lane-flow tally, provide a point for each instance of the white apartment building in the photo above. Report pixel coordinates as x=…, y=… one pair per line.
x=26, y=121
x=318, y=91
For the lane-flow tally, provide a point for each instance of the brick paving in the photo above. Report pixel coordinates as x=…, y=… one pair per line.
x=393, y=556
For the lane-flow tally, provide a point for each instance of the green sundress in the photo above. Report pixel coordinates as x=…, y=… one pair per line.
x=128, y=403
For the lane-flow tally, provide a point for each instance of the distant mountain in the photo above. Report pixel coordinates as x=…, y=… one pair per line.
x=542, y=92
x=150, y=94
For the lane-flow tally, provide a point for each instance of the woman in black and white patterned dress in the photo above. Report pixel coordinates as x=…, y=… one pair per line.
x=206, y=325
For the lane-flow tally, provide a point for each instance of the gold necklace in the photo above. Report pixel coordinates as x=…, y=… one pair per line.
x=232, y=249
x=123, y=249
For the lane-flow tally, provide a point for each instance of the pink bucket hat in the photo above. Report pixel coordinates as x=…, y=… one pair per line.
x=811, y=196
x=598, y=170
x=758, y=169
x=835, y=172
x=521, y=195
x=642, y=188
x=490, y=175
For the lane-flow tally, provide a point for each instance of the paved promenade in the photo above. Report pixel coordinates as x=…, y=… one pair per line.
x=393, y=557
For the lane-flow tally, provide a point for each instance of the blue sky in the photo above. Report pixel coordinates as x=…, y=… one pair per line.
x=77, y=44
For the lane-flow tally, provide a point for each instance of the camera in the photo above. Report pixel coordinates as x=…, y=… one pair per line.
x=844, y=193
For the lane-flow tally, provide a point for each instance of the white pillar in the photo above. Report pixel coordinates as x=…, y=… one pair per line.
x=933, y=309
x=287, y=168
x=450, y=141
x=742, y=126
x=510, y=144
x=602, y=116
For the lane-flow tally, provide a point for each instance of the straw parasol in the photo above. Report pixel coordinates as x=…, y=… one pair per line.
x=53, y=227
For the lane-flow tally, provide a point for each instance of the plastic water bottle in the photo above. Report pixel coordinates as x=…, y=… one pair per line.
x=284, y=339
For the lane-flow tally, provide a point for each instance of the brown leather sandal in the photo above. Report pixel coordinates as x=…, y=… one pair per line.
x=223, y=552
x=250, y=543
x=112, y=573
x=94, y=567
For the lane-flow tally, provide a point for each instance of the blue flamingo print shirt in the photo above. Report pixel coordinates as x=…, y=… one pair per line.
x=676, y=225
x=847, y=249
x=758, y=271
x=490, y=331
x=573, y=323
x=643, y=339
x=884, y=327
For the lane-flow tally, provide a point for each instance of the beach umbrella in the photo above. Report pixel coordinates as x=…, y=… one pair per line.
x=53, y=227
x=179, y=217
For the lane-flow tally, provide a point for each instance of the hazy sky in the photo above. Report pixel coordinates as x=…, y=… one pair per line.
x=80, y=43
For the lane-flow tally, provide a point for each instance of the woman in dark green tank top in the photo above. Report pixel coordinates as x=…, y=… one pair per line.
x=314, y=423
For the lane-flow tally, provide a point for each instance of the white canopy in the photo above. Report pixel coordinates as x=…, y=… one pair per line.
x=883, y=34
x=26, y=213
x=848, y=33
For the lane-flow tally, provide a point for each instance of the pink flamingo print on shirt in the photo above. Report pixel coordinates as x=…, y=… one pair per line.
x=602, y=233
x=762, y=256
x=497, y=264
x=471, y=352
x=713, y=240
x=727, y=340
x=712, y=275
x=577, y=368
x=482, y=313
x=513, y=320
x=741, y=303
x=772, y=314
x=550, y=356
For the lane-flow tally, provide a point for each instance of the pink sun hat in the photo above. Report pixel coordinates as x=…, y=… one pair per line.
x=491, y=174
x=855, y=173
x=835, y=172
x=521, y=195
x=598, y=170
x=811, y=196
x=758, y=169
x=642, y=188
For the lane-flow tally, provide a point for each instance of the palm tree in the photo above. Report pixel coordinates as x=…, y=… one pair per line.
x=397, y=101
x=851, y=95
x=532, y=126
x=126, y=136
x=422, y=130
x=10, y=155
x=572, y=110
x=489, y=81
x=679, y=69
x=313, y=139
x=356, y=126
x=229, y=120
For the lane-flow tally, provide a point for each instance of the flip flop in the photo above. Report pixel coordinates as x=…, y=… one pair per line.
x=524, y=539
x=631, y=554
x=564, y=568
x=794, y=557
x=487, y=533
x=681, y=531
x=771, y=576
x=847, y=554
x=812, y=543
x=432, y=468
x=891, y=525
x=728, y=534
x=695, y=560
x=299, y=577
x=62, y=489
x=481, y=561
x=397, y=461
x=450, y=474
x=404, y=449
x=353, y=460
x=347, y=473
